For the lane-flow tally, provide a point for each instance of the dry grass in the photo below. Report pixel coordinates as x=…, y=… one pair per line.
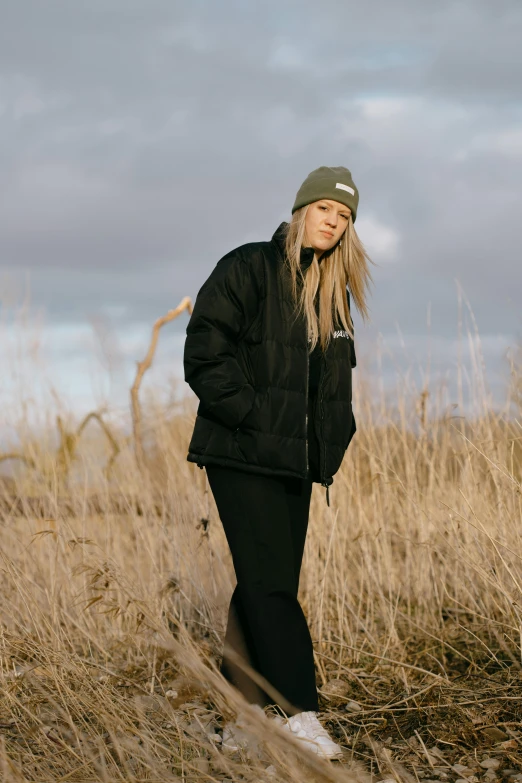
x=114, y=592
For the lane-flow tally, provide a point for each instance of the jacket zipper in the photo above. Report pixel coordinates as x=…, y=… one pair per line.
x=323, y=444
x=306, y=408
x=323, y=482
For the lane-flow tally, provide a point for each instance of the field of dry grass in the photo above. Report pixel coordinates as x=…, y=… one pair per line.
x=115, y=585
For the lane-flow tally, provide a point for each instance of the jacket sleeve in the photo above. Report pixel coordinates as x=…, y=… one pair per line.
x=354, y=358
x=225, y=306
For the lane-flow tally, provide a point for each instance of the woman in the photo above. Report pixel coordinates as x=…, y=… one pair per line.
x=269, y=353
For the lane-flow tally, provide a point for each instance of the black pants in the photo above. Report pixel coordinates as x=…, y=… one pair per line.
x=265, y=521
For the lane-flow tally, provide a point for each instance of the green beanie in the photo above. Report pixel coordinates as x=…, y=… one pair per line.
x=333, y=182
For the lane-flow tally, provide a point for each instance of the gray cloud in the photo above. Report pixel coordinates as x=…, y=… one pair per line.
x=142, y=141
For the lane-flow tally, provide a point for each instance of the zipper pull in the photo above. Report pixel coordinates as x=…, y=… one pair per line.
x=326, y=483
x=327, y=487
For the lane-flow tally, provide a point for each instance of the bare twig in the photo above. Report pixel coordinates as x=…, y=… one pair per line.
x=15, y=455
x=69, y=443
x=110, y=437
x=142, y=368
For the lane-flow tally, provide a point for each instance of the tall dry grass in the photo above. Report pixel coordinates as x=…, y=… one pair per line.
x=115, y=587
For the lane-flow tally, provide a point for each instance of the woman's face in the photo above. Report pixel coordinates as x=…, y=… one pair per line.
x=325, y=223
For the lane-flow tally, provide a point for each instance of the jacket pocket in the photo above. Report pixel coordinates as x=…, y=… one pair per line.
x=200, y=435
x=245, y=360
x=237, y=447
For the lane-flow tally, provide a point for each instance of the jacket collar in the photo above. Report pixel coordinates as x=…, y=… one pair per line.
x=279, y=237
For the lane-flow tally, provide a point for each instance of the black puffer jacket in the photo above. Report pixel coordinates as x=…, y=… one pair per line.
x=246, y=358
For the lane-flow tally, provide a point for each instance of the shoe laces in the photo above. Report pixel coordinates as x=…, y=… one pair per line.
x=308, y=723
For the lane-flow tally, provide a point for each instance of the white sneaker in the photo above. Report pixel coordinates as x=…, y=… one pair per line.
x=306, y=727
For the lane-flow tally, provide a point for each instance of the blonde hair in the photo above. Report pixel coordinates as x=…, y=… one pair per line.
x=345, y=265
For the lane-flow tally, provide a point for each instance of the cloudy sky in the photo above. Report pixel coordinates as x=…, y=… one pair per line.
x=143, y=140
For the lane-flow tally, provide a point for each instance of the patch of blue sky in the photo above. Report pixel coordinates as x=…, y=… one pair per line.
x=287, y=54
x=68, y=363
x=377, y=56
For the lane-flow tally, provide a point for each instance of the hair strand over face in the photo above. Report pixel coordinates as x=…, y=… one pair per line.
x=345, y=266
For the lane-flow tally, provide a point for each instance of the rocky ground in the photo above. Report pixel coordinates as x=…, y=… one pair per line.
x=466, y=729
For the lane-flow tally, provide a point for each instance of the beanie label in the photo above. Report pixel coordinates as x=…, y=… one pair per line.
x=345, y=187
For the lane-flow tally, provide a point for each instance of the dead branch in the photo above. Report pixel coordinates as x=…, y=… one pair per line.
x=66, y=449
x=69, y=443
x=142, y=368
x=15, y=455
x=108, y=434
